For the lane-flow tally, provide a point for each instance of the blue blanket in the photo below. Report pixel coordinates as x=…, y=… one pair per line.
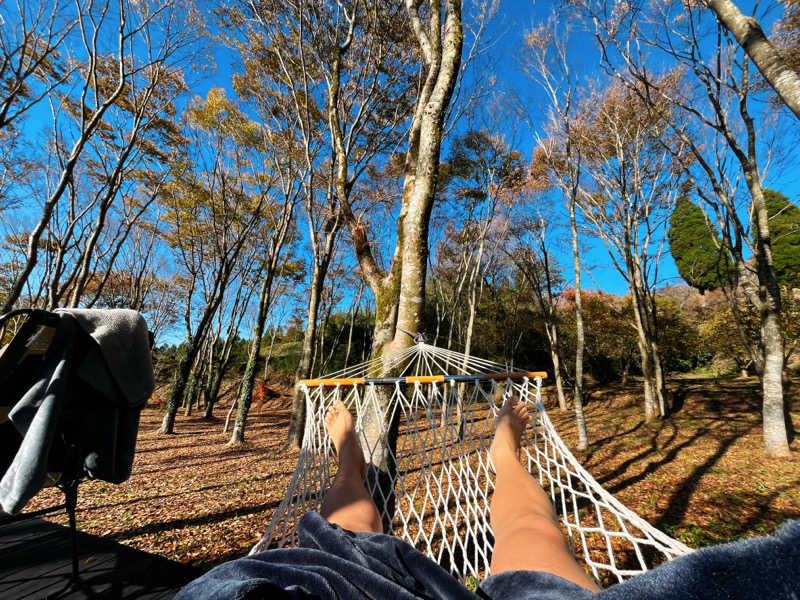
x=331, y=562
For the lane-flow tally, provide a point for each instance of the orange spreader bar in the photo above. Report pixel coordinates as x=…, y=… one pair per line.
x=422, y=379
x=518, y=375
x=425, y=379
x=331, y=382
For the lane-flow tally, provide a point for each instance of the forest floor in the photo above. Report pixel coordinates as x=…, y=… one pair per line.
x=699, y=475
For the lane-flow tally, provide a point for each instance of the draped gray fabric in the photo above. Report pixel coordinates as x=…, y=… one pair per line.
x=76, y=395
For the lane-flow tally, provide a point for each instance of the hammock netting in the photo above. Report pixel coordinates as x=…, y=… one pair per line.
x=447, y=404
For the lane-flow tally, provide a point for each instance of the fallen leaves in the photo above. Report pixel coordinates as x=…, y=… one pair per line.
x=700, y=475
x=190, y=498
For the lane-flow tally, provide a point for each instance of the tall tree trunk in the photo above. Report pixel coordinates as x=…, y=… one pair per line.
x=233, y=406
x=246, y=392
x=767, y=299
x=191, y=389
x=747, y=31
x=196, y=341
x=379, y=429
x=660, y=381
x=270, y=264
x=645, y=355
x=217, y=377
x=212, y=392
x=353, y=316
x=400, y=294
x=474, y=296
x=555, y=357
x=298, y=418
x=776, y=441
x=626, y=370
x=218, y=371
x=577, y=395
x=178, y=388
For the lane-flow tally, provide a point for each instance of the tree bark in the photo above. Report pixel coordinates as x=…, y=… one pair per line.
x=195, y=341
x=555, y=358
x=577, y=394
x=776, y=441
x=271, y=263
x=248, y=379
x=178, y=388
x=645, y=355
x=298, y=418
x=353, y=316
x=400, y=293
x=191, y=389
x=747, y=31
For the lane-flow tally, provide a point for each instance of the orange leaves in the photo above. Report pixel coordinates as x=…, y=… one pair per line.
x=190, y=498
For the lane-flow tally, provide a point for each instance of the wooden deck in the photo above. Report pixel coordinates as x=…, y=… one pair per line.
x=36, y=562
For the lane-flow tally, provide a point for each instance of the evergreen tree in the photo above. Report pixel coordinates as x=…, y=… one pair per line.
x=784, y=226
x=702, y=261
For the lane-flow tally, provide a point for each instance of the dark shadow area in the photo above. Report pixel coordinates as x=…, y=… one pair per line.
x=462, y=553
x=678, y=399
x=652, y=448
x=765, y=506
x=614, y=436
x=178, y=464
x=679, y=501
x=87, y=509
x=788, y=404
x=36, y=563
x=199, y=520
x=164, y=448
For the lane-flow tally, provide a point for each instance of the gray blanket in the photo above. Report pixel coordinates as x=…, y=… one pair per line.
x=79, y=404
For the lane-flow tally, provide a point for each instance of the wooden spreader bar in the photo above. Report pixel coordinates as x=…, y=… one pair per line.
x=514, y=376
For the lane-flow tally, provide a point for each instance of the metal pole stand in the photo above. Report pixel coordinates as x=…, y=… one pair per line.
x=70, y=490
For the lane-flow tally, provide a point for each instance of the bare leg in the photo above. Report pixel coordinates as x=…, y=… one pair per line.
x=347, y=502
x=527, y=535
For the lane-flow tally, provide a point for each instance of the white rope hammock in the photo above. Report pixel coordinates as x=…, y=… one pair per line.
x=443, y=480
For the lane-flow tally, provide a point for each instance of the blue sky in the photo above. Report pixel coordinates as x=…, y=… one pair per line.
x=513, y=20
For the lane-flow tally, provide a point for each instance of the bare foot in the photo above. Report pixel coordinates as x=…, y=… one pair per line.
x=341, y=429
x=511, y=423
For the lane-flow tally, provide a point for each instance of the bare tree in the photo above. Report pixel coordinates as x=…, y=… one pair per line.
x=33, y=58
x=559, y=162
x=277, y=232
x=483, y=171
x=531, y=254
x=718, y=145
x=631, y=190
x=399, y=290
x=220, y=356
x=118, y=45
x=765, y=56
x=339, y=72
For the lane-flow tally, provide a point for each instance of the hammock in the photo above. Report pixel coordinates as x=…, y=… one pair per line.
x=447, y=404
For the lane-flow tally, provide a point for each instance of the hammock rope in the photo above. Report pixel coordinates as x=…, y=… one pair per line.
x=447, y=404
